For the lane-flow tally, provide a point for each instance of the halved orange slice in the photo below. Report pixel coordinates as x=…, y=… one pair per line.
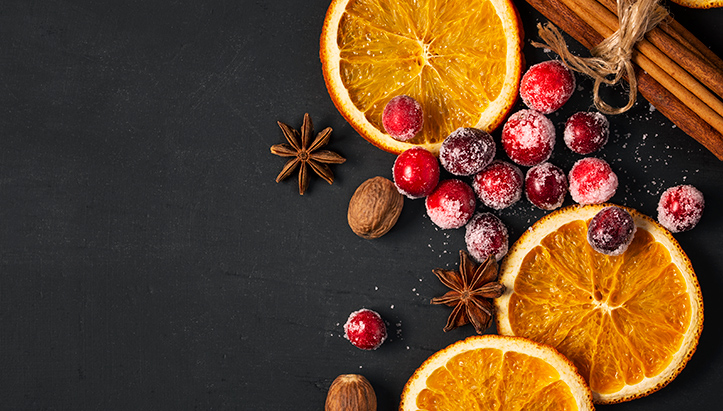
x=461, y=60
x=490, y=372
x=629, y=323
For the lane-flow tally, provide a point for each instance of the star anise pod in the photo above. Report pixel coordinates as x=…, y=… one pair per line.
x=473, y=287
x=306, y=155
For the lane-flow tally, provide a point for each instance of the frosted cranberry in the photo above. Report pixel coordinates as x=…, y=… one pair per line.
x=416, y=172
x=528, y=137
x=499, y=185
x=611, y=231
x=546, y=186
x=466, y=151
x=547, y=86
x=451, y=204
x=402, y=118
x=486, y=235
x=680, y=208
x=592, y=181
x=586, y=132
x=365, y=329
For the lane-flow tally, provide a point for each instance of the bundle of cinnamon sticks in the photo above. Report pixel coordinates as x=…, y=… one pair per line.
x=676, y=72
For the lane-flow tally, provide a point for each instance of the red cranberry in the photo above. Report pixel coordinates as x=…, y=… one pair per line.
x=486, y=235
x=466, y=151
x=451, y=204
x=528, y=137
x=402, y=118
x=499, y=185
x=546, y=186
x=547, y=86
x=586, y=132
x=365, y=329
x=680, y=208
x=416, y=172
x=592, y=181
x=611, y=231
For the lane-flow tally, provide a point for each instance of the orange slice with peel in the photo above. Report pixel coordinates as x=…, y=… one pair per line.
x=629, y=323
x=490, y=372
x=699, y=4
x=461, y=60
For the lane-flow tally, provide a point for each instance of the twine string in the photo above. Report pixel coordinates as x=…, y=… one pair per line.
x=611, y=59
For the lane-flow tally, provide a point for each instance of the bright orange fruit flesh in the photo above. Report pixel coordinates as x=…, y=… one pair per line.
x=488, y=379
x=618, y=319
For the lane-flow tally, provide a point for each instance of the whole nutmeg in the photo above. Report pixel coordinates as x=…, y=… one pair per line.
x=351, y=392
x=374, y=208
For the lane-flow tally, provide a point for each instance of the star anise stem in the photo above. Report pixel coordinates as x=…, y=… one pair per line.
x=303, y=177
x=307, y=129
x=326, y=156
x=458, y=318
x=292, y=136
x=320, y=140
x=322, y=170
x=283, y=150
x=490, y=290
x=289, y=168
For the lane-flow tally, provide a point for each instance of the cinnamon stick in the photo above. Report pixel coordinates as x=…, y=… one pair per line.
x=665, y=102
x=676, y=30
x=687, y=55
x=696, y=64
x=662, y=68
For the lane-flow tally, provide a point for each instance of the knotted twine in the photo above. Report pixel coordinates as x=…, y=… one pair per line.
x=611, y=59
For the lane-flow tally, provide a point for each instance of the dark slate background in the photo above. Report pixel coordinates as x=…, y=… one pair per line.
x=149, y=261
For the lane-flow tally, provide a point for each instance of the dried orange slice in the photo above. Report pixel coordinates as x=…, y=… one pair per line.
x=699, y=4
x=490, y=372
x=629, y=323
x=461, y=60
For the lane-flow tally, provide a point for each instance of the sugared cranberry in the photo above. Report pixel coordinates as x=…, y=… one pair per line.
x=680, y=208
x=402, y=118
x=451, y=204
x=486, y=235
x=547, y=86
x=586, y=132
x=365, y=329
x=528, y=137
x=611, y=231
x=546, y=186
x=466, y=151
x=416, y=172
x=499, y=185
x=592, y=181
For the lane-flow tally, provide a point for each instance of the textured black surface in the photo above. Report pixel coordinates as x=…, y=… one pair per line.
x=149, y=261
